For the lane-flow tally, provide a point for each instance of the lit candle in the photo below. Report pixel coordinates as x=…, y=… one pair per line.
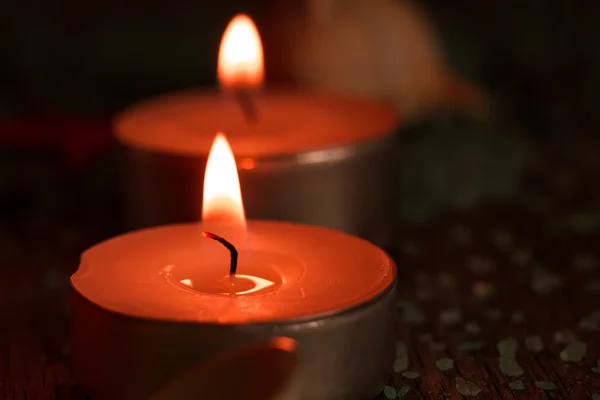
x=303, y=157
x=151, y=305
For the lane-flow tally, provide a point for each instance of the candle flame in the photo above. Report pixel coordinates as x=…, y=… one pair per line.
x=222, y=199
x=241, y=55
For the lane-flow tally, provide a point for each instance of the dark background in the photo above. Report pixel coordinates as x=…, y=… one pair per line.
x=96, y=57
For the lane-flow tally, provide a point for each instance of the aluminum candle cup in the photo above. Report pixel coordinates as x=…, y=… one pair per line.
x=310, y=158
x=149, y=306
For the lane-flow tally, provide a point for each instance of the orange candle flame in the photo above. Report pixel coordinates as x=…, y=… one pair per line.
x=241, y=55
x=222, y=198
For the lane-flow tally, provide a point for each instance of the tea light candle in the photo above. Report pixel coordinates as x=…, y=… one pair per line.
x=303, y=157
x=151, y=305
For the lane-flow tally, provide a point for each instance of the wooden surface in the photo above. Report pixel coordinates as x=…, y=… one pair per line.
x=435, y=276
x=439, y=264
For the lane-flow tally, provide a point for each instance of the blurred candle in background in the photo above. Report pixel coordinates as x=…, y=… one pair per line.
x=306, y=157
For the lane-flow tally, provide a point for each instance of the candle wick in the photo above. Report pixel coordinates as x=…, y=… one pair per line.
x=229, y=246
x=246, y=103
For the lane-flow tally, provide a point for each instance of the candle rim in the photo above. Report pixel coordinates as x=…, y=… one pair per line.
x=380, y=273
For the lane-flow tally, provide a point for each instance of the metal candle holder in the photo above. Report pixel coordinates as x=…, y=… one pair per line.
x=344, y=355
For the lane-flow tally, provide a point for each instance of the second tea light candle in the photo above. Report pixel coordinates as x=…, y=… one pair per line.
x=303, y=157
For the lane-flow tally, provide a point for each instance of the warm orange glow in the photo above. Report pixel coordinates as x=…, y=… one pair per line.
x=247, y=164
x=241, y=55
x=222, y=194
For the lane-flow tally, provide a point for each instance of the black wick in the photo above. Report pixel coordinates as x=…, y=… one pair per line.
x=244, y=99
x=230, y=247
